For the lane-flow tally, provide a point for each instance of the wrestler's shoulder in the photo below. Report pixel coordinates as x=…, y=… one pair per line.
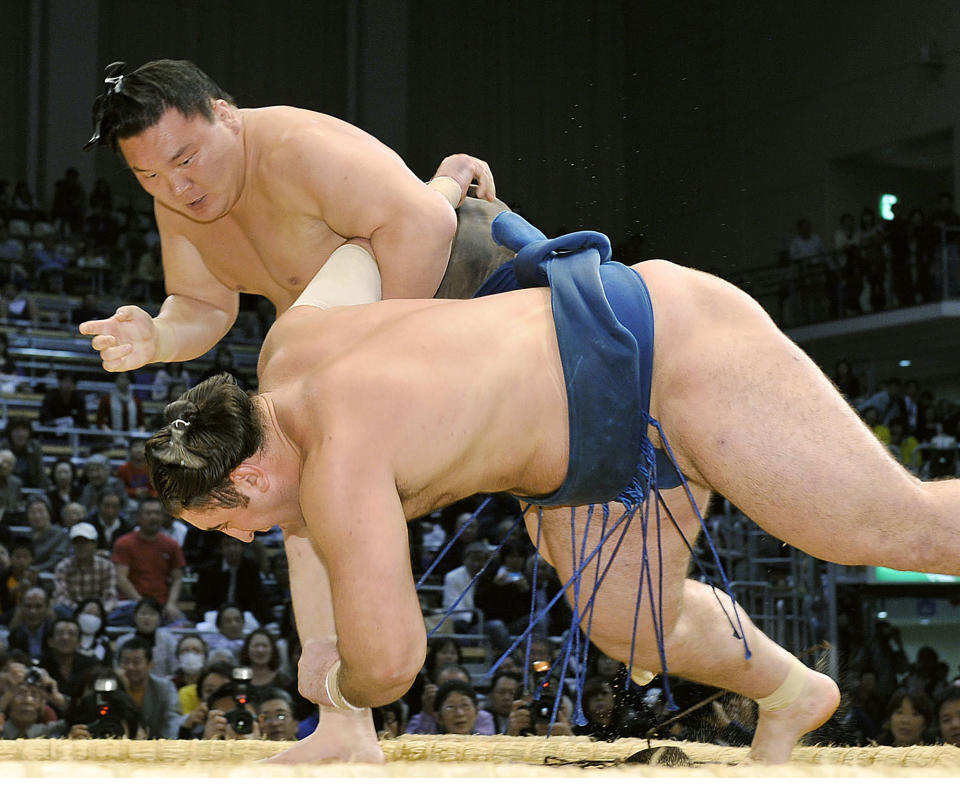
x=284, y=134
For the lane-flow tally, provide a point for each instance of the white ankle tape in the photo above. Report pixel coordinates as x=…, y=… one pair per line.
x=788, y=691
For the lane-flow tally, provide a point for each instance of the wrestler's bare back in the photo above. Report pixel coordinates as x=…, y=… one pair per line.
x=275, y=238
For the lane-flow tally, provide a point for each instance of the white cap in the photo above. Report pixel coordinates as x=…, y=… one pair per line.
x=83, y=530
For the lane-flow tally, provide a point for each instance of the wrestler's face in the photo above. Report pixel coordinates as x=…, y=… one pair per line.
x=189, y=164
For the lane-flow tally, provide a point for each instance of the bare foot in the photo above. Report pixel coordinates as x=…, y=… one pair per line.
x=341, y=736
x=778, y=731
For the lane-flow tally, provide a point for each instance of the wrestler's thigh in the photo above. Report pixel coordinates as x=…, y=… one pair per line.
x=752, y=416
x=615, y=605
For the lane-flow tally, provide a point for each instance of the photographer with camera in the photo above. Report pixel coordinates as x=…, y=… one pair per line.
x=230, y=715
x=23, y=711
x=531, y=717
x=18, y=671
x=155, y=696
x=105, y=710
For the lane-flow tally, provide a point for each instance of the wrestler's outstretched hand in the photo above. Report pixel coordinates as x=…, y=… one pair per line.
x=466, y=169
x=127, y=340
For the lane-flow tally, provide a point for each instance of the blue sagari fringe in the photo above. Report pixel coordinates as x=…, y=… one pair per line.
x=577, y=642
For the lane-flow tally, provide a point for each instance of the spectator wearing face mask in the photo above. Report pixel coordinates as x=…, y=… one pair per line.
x=94, y=640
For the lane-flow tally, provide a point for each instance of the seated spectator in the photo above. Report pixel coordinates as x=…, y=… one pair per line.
x=948, y=716
x=457, y=708
x=98, y=480
x=428, y=719
x=194, y=697
x=163, y=643
x=155, y=696
x=94, y=640
x=64, y=488
x=224, y=363
x=64, y=405
x=387, y=720
x=30, y=623
x=903, y=446
x=71, y=514
x=502, y=593
x=191, y=655
x=504, y=690
x=109, y=521
x=24, y=708
x=51, y=543
x=275, y=716
x=62, y=659
x=233, y=577
x=85, y=711
x=120, y=410
x=221, y=702
x=441, y=651
x=456, y=583
x=17, y=577
x=530, y=717
x=149, y=563
x=167, y=374
x=16, y=305
x=11, y=489
x=599, y=707
x=29, y=453
x=261, y=653
x=87, y=311
x=230, y=632
x=84, y=575
x=908, y=719
x=133, y=473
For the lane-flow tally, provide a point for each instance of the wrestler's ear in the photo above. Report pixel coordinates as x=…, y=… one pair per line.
x=250, y=476
x=227, y=114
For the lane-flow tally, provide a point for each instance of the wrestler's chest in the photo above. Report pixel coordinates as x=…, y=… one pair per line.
x=269, y=256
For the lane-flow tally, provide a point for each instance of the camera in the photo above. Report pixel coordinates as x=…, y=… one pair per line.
x=541, y=709
x=34, y=676
x=109, y=711
x=240, y=717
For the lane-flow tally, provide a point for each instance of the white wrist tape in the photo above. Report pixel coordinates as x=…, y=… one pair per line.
x=450, y=189
x=333, y=689
x=788, y=691
x=350, y=276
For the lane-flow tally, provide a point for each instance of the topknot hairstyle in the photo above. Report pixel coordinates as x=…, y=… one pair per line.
x=210, y=430
x=132, y=103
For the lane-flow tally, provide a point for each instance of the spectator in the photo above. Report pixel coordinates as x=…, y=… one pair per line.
x=232, y=577
x=230, y=630
x=84, y=575
x=275, y=715
x=62, y=658
x=51, y=543
x=908, y=719
x=222, y=701
x=23, y=715
x=441, y=651
x=808, y=253
x=29, y=453
x=427, y=720
x=71, y=514
x=155, y=696
x=122, y=708
x=845, y=380
x=903, y=446
x=191, y=659
x=69, y=203
x=120, y=410
x=150, y=563
x=502, y=593
x=163, y=643
x=948, y=716
x=261, y=653
x=871, y=253
x=15, y=305
x=883, y=655
x=922, y=240
x=944, y=215
x=529, y=717
x=17, y=577
x=504, y=690
x=924, y=675
x=8, y=364
x=897, y=234
x=30, y=623
x=224, y=363
x=193, y=698
x=109, y=521
x=64, y=405
x=457, y=709
x=387, y=720
x=846, y=244
x=11, y=489
x=168, y=374
x=94, y=640
x=457, y=583
x=64, y=488
x=133, y=473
